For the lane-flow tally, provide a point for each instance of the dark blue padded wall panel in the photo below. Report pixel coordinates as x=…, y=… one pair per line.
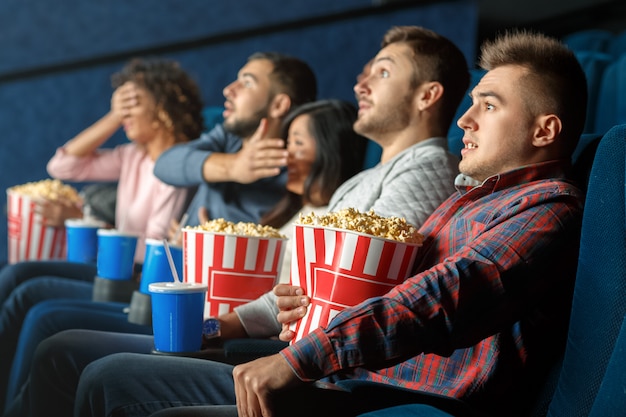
x=47, y=95
x=38, y=32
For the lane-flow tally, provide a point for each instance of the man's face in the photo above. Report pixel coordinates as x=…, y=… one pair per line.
x=498, y=126
x=385, y=94
x=248, y=98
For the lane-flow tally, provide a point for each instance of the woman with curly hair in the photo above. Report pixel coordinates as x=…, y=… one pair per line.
x=157, y=105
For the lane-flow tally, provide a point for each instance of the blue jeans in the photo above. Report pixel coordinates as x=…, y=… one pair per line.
x=52, y=316
x=13, y=275
x=134, y=384
x=23, y=285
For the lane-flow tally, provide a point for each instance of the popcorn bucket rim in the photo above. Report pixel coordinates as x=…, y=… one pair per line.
x=11, y=190
x=208, y=232
x=354, y=232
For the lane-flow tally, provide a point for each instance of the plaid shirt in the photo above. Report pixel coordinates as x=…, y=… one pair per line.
x=489, y=308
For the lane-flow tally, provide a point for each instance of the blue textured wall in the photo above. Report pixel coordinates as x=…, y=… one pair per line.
x=56, y=57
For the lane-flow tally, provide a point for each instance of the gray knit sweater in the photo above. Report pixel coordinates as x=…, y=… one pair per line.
x=411, y=185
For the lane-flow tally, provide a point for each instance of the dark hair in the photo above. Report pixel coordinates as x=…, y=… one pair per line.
x=339, y=155
x=555, y=82
x=177, y=96
x=293, y=76
x=435, y=58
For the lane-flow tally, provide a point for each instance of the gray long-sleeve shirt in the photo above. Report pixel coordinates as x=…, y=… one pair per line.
x=410, y=185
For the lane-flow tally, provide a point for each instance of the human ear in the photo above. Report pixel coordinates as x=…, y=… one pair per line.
x=280, y=106
x=548, y=128
x=428, y=94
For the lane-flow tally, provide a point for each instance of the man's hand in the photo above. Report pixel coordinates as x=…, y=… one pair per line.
x=292, y=305
x=255, y=382
x=259, y=157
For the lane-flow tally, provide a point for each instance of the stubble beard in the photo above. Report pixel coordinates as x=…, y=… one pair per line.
x=246, y=127
x=380, y=125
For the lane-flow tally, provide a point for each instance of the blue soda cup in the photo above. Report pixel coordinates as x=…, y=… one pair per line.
x=177, y=315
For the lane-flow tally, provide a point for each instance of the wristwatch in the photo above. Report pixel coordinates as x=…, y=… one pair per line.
x=211, y=328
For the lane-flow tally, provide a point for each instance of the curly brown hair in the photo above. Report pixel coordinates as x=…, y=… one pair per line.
x=176, y=95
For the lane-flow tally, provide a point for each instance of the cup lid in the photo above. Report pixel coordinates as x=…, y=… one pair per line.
x=177, y=287
x=157, y=242
x=114, y=232
x=84, y=223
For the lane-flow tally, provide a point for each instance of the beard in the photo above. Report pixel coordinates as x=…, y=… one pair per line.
x=244, y=128
x=385, y=119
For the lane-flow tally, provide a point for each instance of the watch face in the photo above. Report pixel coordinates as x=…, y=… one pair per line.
x=211, y=328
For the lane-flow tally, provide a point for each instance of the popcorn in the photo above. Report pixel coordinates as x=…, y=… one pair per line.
x=50, y=189
x=370, y=223
x=243, y=229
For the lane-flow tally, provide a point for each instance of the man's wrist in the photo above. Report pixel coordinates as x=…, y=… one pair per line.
x=211, y=328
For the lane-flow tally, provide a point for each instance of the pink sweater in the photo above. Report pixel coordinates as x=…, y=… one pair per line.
x=145, y=205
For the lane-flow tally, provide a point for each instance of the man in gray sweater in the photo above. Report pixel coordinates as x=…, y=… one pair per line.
x=406, y=104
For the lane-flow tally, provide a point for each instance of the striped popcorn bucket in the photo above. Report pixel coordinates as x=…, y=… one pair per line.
x=340, y=268
x=237, y=269
x=28, y=238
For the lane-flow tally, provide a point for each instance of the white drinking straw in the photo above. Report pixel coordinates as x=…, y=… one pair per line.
x=170, y=260
x=183, y=223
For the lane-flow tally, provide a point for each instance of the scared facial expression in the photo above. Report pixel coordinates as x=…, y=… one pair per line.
x=498, y=126
x=248, y=98
x=301, y=148
x=385, y=95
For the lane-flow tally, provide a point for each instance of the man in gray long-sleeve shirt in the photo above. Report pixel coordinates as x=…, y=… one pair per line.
x=407, y=100
x=238, y=166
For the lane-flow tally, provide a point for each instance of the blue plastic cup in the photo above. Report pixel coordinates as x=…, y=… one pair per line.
x=116, y=254
x=177, y=315
x=82, y=240
x=156, y=267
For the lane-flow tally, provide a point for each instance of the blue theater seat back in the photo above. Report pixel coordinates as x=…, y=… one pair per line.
x=599, y=303
x=455, y=134
x=593, y=64
x=611, y=101
x=589, y=40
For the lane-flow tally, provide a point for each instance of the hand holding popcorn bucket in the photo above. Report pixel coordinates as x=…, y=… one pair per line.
x=28, y=237
x=238, y=262
x=343, y=258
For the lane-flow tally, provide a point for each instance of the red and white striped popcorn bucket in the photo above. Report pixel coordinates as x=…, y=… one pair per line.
x=339, y=268
x=28, y=238
x=237, y=269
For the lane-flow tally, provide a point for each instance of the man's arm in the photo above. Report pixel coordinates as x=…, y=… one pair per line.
x=181, y=165
x=259, y=157
x=219, y=156
x=454, y=304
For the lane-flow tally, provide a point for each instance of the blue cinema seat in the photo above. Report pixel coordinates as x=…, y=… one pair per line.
x=611, y=102
x=455, y=134
x=593, y=64
x=591, y=380
x=617, y=45
x=589, y=40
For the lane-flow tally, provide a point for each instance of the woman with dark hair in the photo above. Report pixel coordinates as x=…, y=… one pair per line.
x=157, y=104
x=323, y=152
